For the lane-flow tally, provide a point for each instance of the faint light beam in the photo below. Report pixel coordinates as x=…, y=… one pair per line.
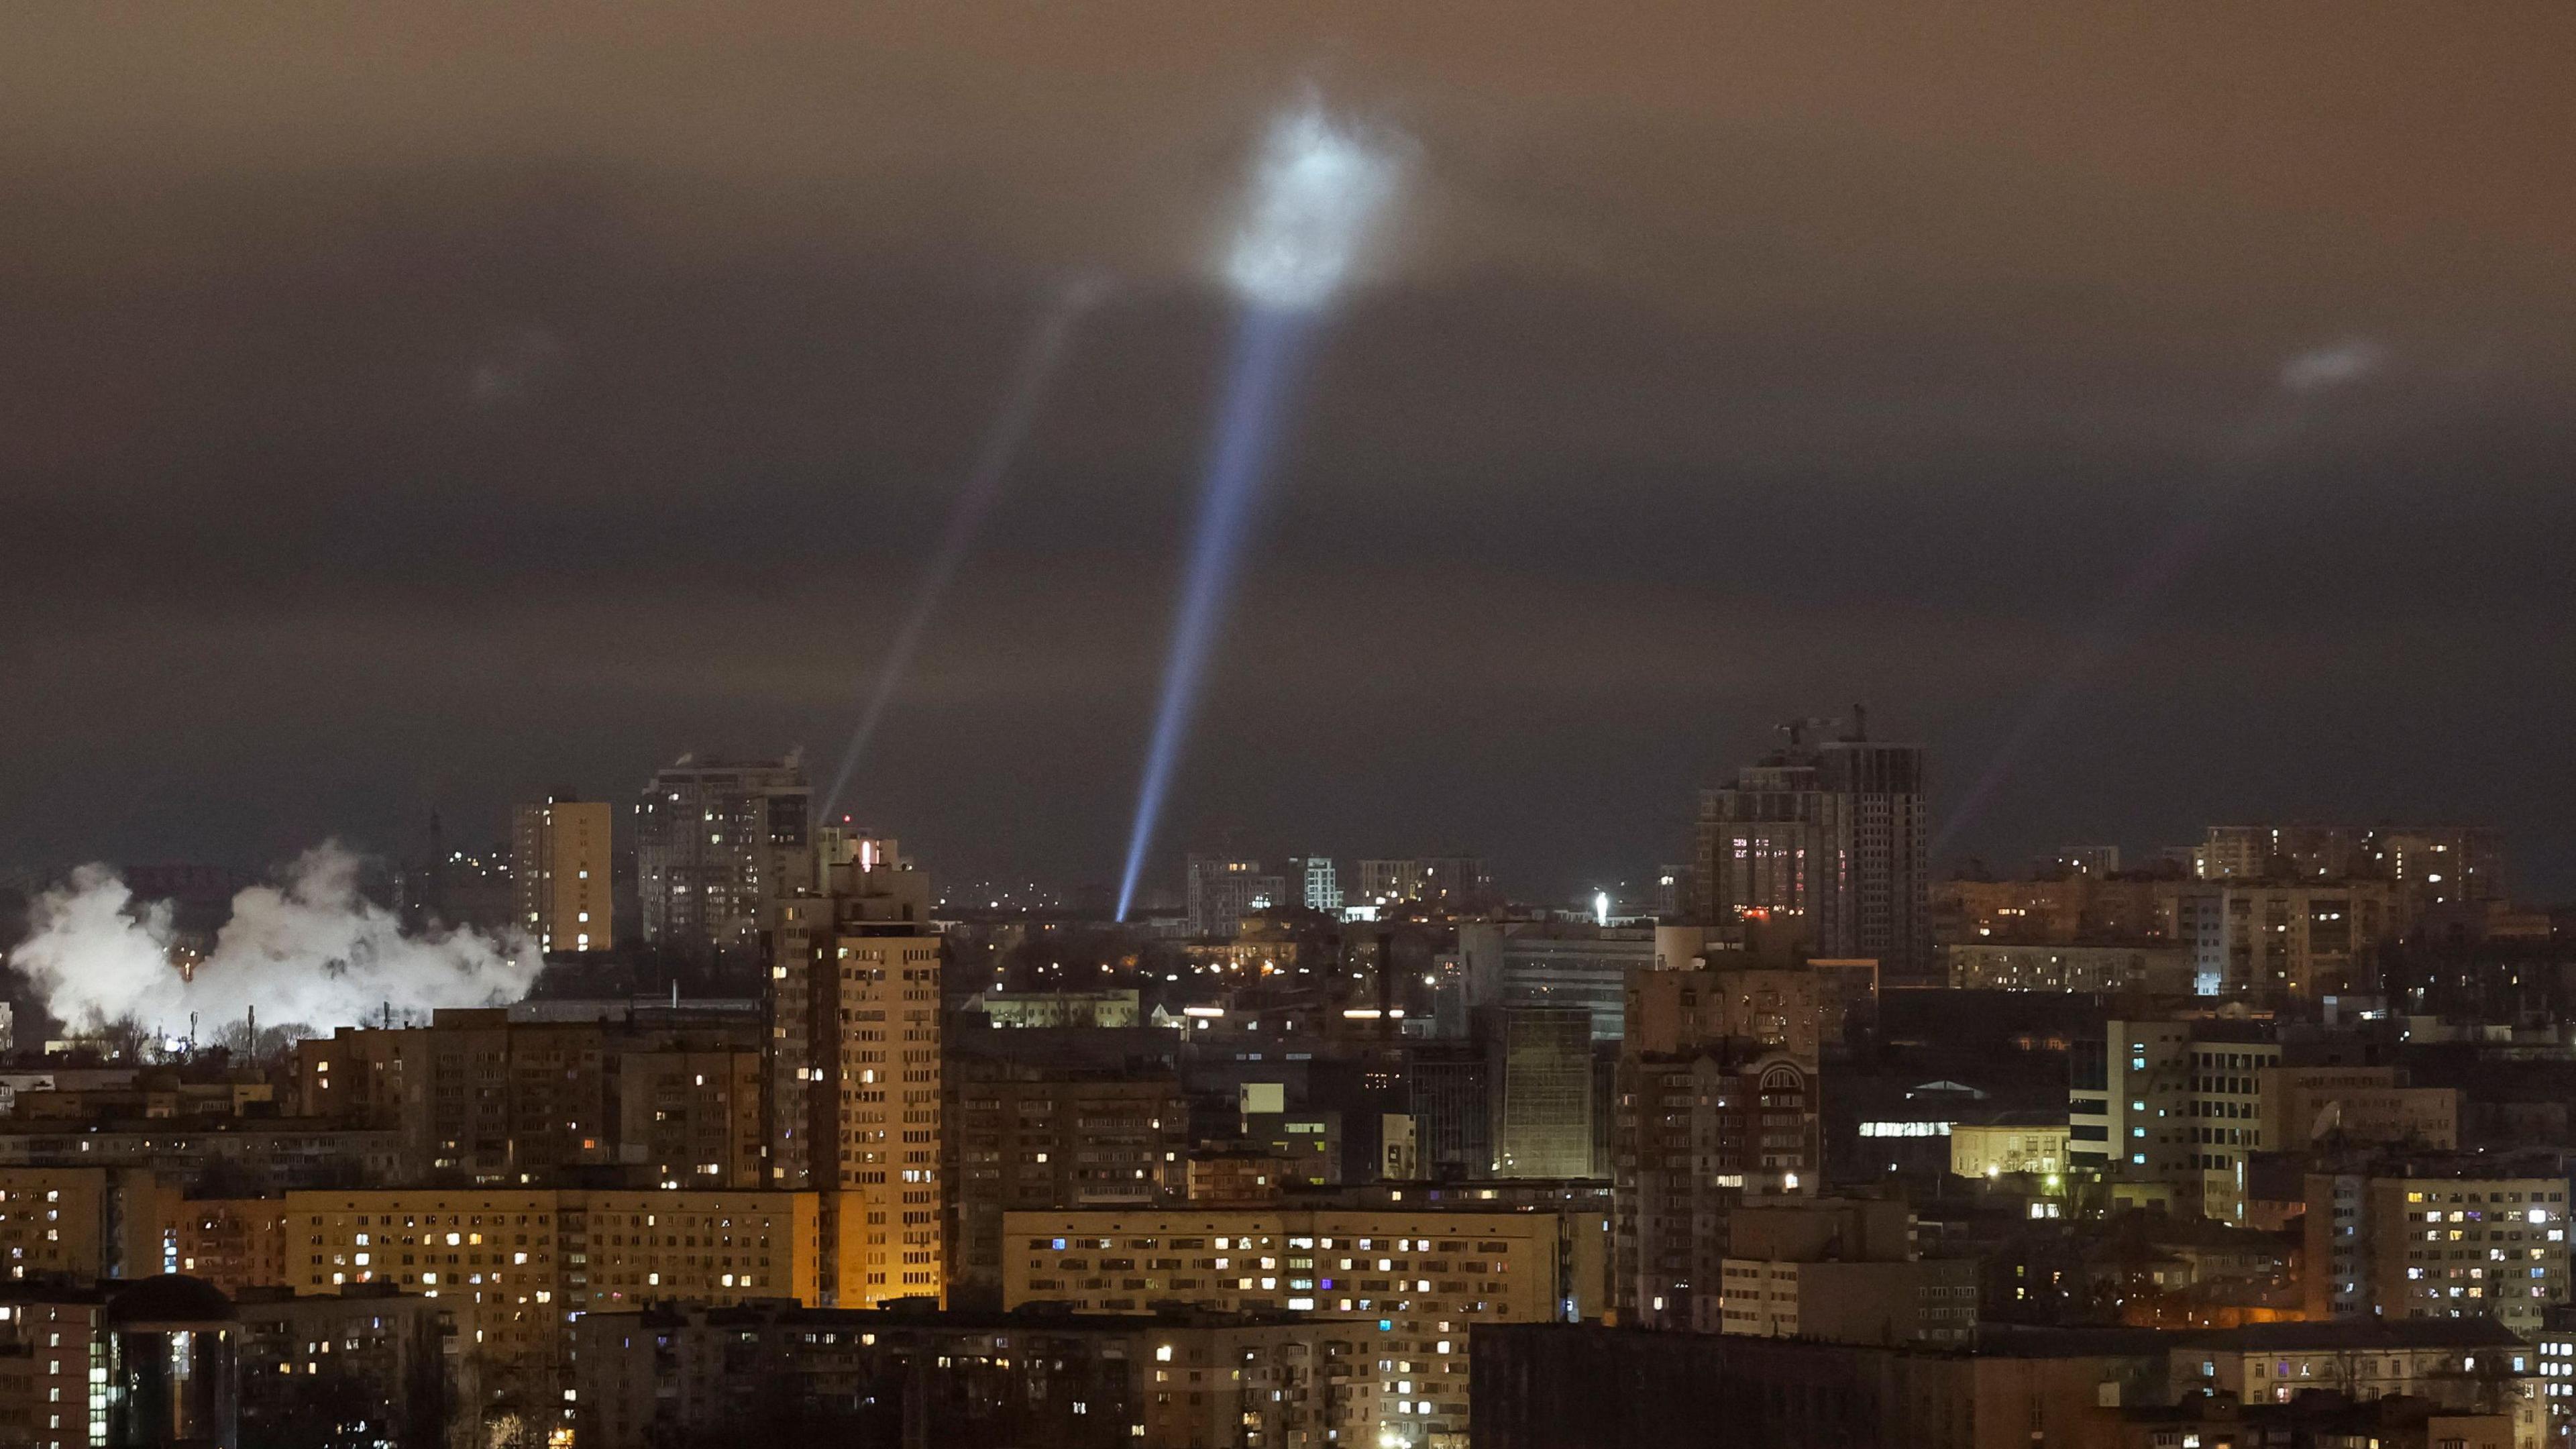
x=2286, y=408
x=1020, y=403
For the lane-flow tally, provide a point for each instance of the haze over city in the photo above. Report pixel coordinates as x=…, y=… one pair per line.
x=418, y=410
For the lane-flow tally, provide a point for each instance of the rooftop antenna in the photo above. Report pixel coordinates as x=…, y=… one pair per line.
x=1860, y=722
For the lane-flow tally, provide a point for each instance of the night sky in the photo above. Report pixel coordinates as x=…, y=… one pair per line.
x=411, y=407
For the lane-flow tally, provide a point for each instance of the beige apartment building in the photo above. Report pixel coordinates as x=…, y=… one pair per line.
x=559, y=868
x=855, y=1070
x=514, y=1268
x=1407, y=1286
x=2461, y=1237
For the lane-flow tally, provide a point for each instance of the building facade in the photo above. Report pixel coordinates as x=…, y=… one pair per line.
x=1021, y=1136
x=560, y=869
x=2439, y=1237
x=2170, y=1111
x=1224, y=890
x=854, y=1071
x=716, y=839
x=1834, y=833
x=1405, y=1287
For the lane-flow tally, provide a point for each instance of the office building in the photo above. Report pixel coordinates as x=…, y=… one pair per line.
x=1403, y=1287
x=715, y=839
x=1315, y=884
x=560, y=869
x=1449, y=1100
x=2170, y=1111
x=1566, y=964
x=1833, y=833
x=1542, y=1099
x=854, y=1070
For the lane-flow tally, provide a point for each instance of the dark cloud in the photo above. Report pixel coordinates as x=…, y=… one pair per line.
x=416, y=408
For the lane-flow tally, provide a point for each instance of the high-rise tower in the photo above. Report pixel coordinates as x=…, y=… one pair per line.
x=854, y=1068
x=559, y=871
x=1833, y=831
x=713, y=840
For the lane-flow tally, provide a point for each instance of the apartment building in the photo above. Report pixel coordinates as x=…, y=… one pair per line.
x=1018, y=1136
x=2429, y=1236
x=854, y=1069
x=1404, y=1287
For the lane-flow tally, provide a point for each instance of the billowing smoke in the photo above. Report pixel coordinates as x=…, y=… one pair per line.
x=311, y=950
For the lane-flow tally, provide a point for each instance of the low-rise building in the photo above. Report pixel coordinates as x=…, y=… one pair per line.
x=2307, y=1107
x=365, y=1368
x=2007, y=1144
x=770, y=1372
x=2152, y=968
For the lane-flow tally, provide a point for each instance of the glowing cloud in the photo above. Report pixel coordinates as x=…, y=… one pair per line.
x=2327, y=367
x=1316, y=194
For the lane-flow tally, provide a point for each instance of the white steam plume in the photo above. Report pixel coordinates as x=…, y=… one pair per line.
x=312, y=951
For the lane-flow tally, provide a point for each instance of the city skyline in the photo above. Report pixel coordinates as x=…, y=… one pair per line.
x=1480, y=724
